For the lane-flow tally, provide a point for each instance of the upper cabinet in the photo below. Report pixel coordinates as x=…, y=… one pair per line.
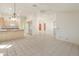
x=2, y=22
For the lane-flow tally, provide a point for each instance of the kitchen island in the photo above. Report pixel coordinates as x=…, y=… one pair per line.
x=11, y=34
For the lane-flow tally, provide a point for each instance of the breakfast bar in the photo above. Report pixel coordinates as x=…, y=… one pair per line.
x=11, y=34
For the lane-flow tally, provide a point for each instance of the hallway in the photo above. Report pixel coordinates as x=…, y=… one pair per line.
x=38, y=45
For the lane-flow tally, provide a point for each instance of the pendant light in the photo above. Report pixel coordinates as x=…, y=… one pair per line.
x=14, y=13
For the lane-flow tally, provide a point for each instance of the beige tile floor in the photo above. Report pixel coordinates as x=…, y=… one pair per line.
x=38, y=45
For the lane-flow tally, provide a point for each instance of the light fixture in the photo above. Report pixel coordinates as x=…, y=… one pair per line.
x=13, y=18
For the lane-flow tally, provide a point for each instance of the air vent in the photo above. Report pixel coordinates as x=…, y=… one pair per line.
x=34, y=5
x=42, y=11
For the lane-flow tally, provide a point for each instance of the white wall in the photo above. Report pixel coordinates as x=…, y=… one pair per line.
x=67, y=26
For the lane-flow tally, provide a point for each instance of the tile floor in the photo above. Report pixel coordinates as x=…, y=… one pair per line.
x=38, y=45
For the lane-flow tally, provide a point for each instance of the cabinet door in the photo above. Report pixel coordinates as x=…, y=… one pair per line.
x=2, y=22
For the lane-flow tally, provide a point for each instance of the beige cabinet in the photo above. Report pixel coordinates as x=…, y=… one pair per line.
x=11, y=35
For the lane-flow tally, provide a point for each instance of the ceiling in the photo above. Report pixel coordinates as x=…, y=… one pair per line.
x=27, y=8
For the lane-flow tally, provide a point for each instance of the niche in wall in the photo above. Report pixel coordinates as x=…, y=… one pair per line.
x=42, y=27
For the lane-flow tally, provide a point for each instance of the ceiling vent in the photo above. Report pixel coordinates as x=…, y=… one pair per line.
x=34, y=5
x=42, y=11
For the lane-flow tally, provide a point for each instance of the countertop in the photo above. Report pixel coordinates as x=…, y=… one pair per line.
x=5, y=30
